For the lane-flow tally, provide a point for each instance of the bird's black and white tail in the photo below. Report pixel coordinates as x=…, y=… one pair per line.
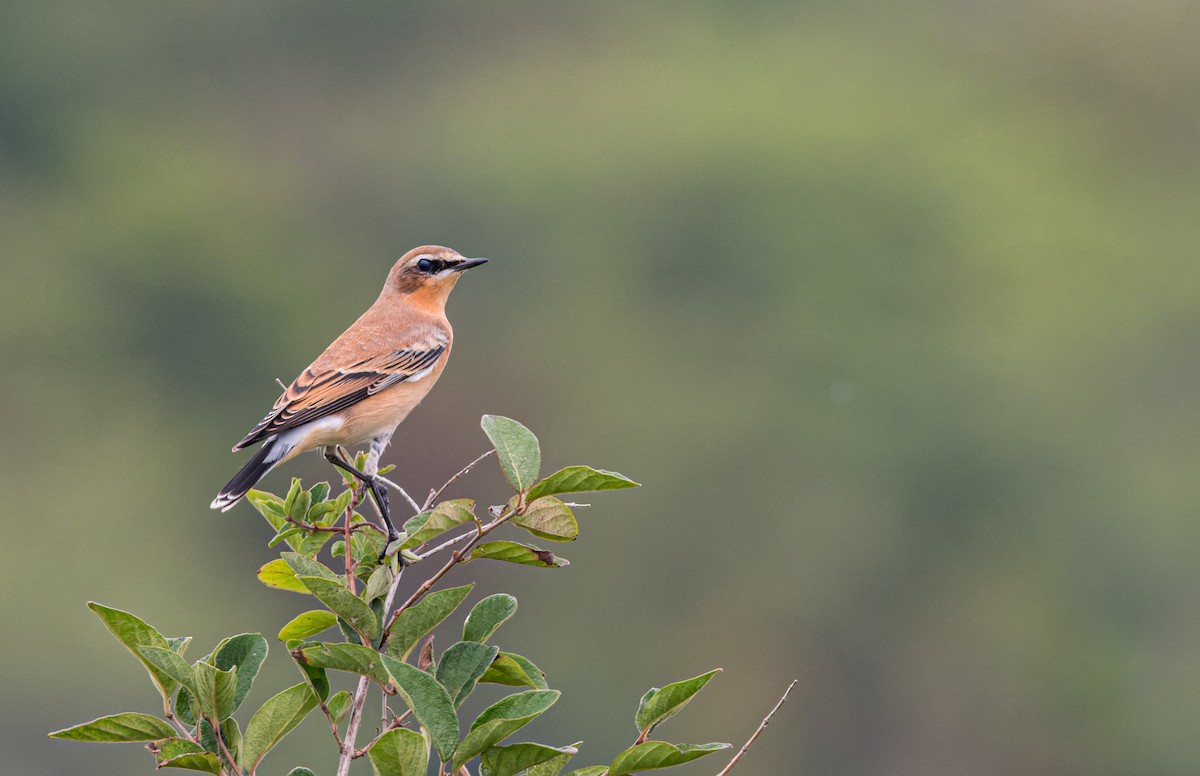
x=255, y=469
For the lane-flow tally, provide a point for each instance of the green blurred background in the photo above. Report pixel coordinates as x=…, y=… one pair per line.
x=894, y=309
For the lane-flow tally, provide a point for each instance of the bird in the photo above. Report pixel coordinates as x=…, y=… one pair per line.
x=366, y=382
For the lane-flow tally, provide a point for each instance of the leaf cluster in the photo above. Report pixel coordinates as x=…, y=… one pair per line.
x=355, y=628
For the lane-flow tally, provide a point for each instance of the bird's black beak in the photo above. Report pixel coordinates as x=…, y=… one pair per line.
x=466, y=264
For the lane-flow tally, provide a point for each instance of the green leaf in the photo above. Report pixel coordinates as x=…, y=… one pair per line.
x=185, y=706
x=400, y=752
x=351, y=635
x=294, y=492
x=344, y=657
x=305, y=566
x=277, y=717
x=445, y=516
x=342, y=502
x=550, y=519
x=269, y=506
x=319, y=510
x=461, y=666
x=430, y=704
x=286, y=533
x=117, y=728
x=344, y=604
x=245, y=652
x=215, y=689
x=209, y=738
x=580, y=479
x=179, y=644
x=488, y=615
x=308, y=624
x=659, y=754
x=554, y=765
x=417, y=621
x=501, y=720
x=315, y=676
x=301, y=771
x=279, y=575
x=519, y=758
x=378, y=583
x=338, y=705
x=365, y=546
x=169, y=664
x=300, y=507
x=516, y=447
x=313, y=542
x=658, y=705
x=591, y=770
x=319, y=492
x=515, y=552
x=180, y=753
x=516, y=671
x=134, y=632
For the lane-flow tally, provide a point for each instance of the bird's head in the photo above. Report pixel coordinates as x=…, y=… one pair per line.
x=425, y=275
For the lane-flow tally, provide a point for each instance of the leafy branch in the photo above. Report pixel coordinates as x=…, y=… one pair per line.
x=198, y=730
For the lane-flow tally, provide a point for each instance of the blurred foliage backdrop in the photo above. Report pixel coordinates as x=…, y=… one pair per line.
x=894, y=309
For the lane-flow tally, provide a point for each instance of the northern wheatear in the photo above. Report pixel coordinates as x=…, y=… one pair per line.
x=366, y=382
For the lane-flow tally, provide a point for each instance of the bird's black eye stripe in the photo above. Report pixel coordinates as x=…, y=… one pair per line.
x=432, y=266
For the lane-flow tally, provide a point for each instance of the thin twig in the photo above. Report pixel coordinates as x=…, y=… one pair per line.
x=444, y=545
x=348, y=529
x=456, y=557
x=386, y=728
x=762, y=726
x=411, y=502
x=433, y=497
x=332, y=724
x=364, y=526
x=224, y=749
x=180, y=727
x=347, y=753
x=422, y=590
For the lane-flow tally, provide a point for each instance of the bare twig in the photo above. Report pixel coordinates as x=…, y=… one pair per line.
x=411, y=502
x=364, y=526
x=762, y=726
x=445, y=544
x=387, y=728
x=348, y=529
x=347, y=753
x=456, y=557
x=348, y=750
x=180, y=727
x=280, y=383
x=424, y=588
x=433, y=497
x=332, y=724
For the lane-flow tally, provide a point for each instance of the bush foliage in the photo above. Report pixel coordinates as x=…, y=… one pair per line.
x=357, y=626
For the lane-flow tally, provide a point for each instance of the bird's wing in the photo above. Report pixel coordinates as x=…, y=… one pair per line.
x=317, y=393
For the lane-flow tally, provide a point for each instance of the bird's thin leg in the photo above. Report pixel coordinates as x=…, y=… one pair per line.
x=335, y=457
